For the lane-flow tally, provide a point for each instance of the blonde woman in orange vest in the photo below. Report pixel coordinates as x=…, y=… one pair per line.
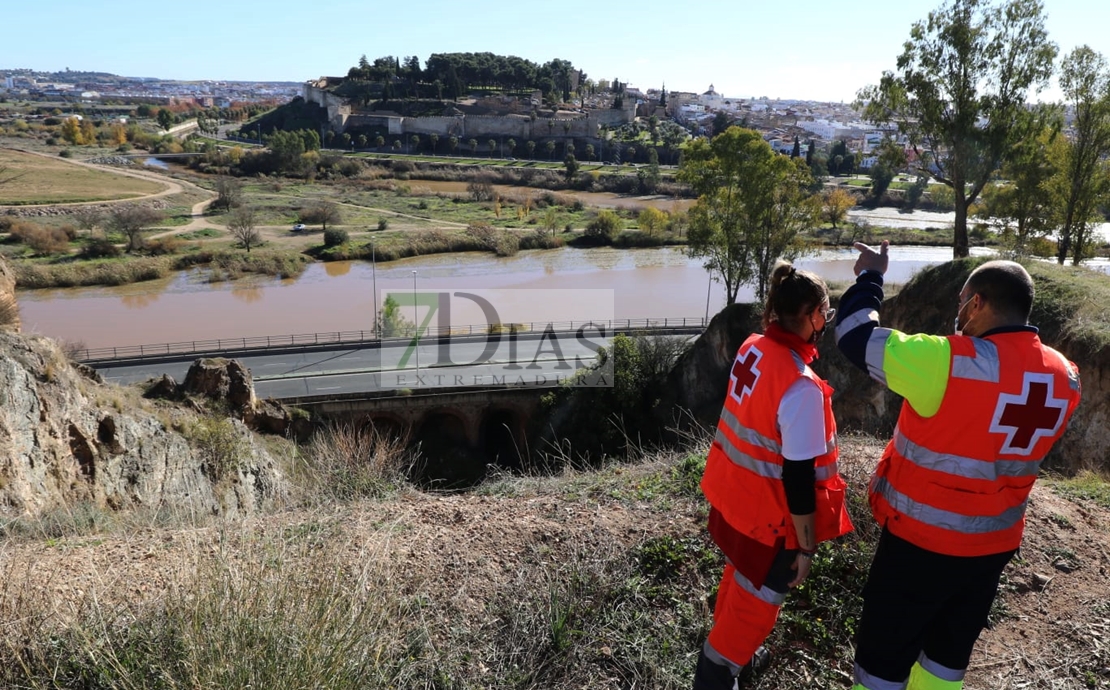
x=982, y=408
x=771, y=476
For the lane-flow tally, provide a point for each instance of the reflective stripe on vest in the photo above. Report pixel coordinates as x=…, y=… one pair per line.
x=765, y=468
x=876, y=351
x=748, y=435
x=854, y=321
x=982, y=367
x=1073, y=373
x=961, y=466
x=757, y=439
x=945, y=519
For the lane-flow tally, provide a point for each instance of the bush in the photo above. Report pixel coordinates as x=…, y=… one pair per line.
x=164, y=245
x=605, y=228
x=66, y=153
x=334, y=238
x=383, y=224
x=98, y=249
x=46, y=240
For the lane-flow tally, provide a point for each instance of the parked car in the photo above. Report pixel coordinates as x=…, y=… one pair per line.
x=298, y=227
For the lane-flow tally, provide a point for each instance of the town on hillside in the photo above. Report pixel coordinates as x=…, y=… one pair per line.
x=593, y=111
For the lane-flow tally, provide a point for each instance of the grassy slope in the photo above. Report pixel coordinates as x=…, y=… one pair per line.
x=41, y=180
x=587, y=580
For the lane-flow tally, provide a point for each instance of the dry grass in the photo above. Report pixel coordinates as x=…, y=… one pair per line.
x=42, y=180
x=586, y=580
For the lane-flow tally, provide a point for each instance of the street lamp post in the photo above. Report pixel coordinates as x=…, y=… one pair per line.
x=374, y=269
x=707, y=291
x=415, y=325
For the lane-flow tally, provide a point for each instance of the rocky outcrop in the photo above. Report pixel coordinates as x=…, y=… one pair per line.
x=65, y=440
x=696, y=384
x=222, y=379
x=9, y=308
x=229, y=381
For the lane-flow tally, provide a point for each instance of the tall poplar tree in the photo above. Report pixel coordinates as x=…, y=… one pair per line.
x=1083, y=180
x=960, y=91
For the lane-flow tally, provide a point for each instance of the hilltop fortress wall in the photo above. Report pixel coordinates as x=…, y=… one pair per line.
x=342, y=117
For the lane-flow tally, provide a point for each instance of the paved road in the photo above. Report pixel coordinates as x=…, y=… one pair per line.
x=460, y=363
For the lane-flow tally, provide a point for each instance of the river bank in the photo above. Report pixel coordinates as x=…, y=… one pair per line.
x=340, y=295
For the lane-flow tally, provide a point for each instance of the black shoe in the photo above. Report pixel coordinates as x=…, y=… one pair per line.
x=761, y=659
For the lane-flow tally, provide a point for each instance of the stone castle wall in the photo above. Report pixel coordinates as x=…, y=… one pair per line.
x=342, y=118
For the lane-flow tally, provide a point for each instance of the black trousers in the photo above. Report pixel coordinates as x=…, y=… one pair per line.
x=920, y=601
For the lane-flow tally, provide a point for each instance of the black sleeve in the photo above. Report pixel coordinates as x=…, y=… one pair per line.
x=798, y=478
x=851, y=333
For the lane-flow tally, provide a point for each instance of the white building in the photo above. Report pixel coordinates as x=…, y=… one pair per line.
x=711, y=99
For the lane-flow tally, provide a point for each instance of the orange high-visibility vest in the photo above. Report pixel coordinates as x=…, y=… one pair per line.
x=743, y=473
x=958, y=482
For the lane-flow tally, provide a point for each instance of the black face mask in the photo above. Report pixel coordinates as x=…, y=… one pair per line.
x=818, y=334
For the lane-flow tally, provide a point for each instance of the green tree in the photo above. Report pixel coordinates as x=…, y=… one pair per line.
x=165, y=119
x=511, y=145
x=473, y=144
x=570, y=165
x=550, y=148
x=433, y=141
x=492, y=146
x=604, y=228
x=1021, y=206
x=243, y=227
x=379, y=141
x=391, y=322
x=959, y=95
x=550, y=220
x=835, y=205
x=415, y=141
x=530, y=147
x=721, y=122
x=892, y=158
x=71, y=131
x=651, y=221
x=287, y=149
x=1083, y=181
x=751, y=206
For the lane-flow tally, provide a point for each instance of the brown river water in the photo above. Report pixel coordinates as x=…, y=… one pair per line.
x=551, y=285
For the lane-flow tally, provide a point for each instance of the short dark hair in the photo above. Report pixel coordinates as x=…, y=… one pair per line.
x=791, y=294
x=1006, y=286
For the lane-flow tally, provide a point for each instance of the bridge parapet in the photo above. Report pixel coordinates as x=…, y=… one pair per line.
x=229, y=347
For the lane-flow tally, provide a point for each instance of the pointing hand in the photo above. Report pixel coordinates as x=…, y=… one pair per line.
x=871, y=260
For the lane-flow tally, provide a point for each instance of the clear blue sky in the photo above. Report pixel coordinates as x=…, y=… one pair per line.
x=807, y=49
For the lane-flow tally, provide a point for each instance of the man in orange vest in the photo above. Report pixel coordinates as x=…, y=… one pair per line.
x=982, y=409
x=771, y=476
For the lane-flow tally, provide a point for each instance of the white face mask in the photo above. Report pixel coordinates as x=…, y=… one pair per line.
x=956, y=324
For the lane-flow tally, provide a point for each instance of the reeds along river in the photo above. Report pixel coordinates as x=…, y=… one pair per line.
x=329, y=297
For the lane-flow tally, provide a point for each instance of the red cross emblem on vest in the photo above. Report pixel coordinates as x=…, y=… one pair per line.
x=745, y=374
x=1029, y=416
